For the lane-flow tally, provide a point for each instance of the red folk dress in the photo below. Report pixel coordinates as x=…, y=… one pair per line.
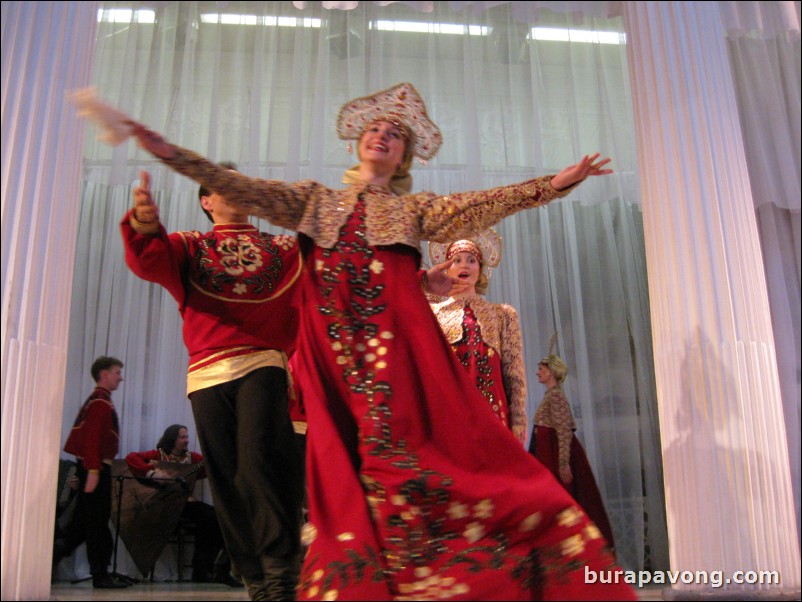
x=487, y=340
x=416, y=489
x=554, y=442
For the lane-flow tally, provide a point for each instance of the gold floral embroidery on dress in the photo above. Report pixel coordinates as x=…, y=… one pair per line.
x=313, y=587
x=308, y=534
x=284, y=241
x=431, y=587
x=569, y=517
x=573, y=545
x=530, y=522
x=457, y=510
x=592, y=532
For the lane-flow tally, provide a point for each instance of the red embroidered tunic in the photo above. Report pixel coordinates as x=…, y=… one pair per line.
x=95, y=435
x=235, y=288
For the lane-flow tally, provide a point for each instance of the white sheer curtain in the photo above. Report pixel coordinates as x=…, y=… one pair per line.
x=46, y=50
x=264, y=93
x=764, y=50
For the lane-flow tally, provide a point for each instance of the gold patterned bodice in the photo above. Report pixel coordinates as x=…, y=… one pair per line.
x=490, y=316
x=555, y=412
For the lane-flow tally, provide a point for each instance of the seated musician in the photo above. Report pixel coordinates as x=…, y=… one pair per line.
x=174, y=447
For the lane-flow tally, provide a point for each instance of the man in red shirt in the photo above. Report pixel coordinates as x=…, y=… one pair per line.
x=95, y=440
x=235, y=287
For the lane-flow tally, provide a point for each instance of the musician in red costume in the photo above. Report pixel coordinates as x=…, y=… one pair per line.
x=174, y=447
x=235, y=286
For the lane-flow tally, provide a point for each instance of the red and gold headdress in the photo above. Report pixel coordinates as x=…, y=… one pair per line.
x=486, y=247
x=400, y=105
x=465, y=246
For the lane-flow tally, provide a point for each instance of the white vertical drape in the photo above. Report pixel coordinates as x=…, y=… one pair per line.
x=766, y=71
x=47, y=50
x=728, y=480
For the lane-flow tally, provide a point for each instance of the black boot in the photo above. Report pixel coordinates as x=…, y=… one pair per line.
x=280, y=577
x=256, y=588
x=106, y=581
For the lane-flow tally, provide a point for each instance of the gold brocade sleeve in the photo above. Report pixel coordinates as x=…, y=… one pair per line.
x=448, y=218
x=513, y=370
x=562, y=420
x=280, y=203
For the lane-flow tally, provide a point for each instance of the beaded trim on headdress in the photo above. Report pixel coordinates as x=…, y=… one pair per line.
x=400, y=105
x=487, y=242
x=464, y=246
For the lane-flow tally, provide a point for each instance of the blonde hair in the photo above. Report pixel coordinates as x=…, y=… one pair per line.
x=556, y=365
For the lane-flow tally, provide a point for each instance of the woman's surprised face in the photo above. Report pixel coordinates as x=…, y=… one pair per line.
x=383, y=142
x=466, y=268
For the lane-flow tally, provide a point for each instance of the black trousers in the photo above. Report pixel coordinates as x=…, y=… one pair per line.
x=91, y=522
x=254, y=467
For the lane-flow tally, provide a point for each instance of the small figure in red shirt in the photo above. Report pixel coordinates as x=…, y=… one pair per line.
x=94, y=441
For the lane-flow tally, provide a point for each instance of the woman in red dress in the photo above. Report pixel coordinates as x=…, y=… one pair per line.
x=415, y=490
x=557, y=447
x=485, y=336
